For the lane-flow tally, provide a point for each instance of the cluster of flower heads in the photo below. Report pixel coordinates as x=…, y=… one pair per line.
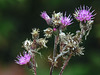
x=82, y=14
x=69, y=43
x=72, y=42
x=31, y=47
x=57, y=20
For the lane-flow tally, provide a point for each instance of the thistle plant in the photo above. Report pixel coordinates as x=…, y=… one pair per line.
x=67, y=43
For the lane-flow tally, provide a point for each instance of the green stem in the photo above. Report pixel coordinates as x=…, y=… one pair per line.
x=54, y=53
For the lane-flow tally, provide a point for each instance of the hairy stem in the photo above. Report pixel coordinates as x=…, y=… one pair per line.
x=54, y=53
x=65, y=64
x=34, y=65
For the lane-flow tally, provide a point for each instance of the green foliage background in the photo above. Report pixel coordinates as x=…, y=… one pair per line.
x=18, y=17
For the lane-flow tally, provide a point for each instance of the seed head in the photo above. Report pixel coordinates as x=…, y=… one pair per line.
x=48, y=32
x=27, y=44
x=42, y=42
x=56, y=18
x=35, y=33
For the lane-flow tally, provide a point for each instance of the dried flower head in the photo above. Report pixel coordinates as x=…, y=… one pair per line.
x=48, y=32
x=23, y=59
x=42, y=42
x=62, y=36
x=56, y=18
x=71, y=43
x=66, y=20
x=83, y=14
x=27, y=44
x=79, y=51
x=35, y=33
x=45, y=16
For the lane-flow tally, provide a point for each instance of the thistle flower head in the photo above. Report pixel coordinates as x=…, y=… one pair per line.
x=45, y=16
x=66, y=20
x=83, y=14
x=23, y=59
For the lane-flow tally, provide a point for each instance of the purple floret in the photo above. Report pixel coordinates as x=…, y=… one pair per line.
x=66, y=20
x=23, y=59
x=45, y=16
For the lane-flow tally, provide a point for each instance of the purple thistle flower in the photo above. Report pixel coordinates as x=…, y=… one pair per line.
x=66, y=20
x=84, y=14
x=23, y=59
x=45, y=16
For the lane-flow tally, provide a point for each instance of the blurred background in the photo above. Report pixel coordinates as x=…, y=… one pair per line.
x=18, y=17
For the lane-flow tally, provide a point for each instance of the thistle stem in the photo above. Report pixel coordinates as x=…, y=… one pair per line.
x=34, y=65
x=54, y=53
x=55, y=46
x=66, y=63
